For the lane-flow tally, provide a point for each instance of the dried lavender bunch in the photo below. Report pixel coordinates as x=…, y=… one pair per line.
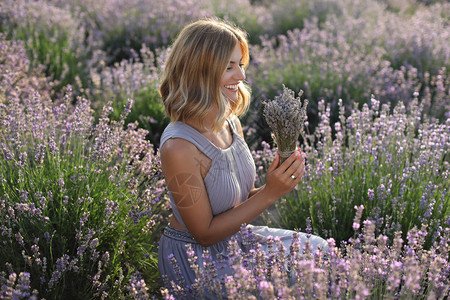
x=286, y=117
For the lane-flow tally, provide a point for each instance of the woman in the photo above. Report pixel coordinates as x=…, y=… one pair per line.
x=207, y=165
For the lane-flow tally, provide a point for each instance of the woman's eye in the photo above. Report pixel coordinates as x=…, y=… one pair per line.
x=230, y=67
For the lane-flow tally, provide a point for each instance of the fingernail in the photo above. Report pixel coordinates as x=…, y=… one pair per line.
x=297, y=153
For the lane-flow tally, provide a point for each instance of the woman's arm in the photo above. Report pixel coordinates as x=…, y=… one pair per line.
x=183, y=177
x=254, y=191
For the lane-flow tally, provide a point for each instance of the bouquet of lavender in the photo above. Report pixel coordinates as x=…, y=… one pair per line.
x=286, y=117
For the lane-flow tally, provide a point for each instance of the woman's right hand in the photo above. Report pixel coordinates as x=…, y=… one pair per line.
x=278, y=180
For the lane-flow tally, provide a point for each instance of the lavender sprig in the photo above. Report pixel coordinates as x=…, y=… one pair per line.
x=286, y=117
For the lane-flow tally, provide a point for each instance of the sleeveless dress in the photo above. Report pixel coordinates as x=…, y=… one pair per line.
x=228, y=182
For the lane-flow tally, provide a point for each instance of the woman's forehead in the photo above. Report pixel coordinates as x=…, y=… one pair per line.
x=236, y=54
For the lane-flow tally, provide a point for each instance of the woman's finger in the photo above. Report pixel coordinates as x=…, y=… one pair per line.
x=288, y=162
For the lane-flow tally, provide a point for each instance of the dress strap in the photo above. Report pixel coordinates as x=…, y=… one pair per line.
x=231, y=121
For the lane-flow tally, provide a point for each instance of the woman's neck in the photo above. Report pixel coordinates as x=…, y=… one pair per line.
x=208, y=123
x=207, y=127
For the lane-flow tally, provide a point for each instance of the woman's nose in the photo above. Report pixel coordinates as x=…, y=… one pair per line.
x=240, y=73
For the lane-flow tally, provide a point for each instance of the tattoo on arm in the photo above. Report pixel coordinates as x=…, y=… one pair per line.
x=186, y=189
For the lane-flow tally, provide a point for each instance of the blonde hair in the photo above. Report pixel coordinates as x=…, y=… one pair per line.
x=191, y=82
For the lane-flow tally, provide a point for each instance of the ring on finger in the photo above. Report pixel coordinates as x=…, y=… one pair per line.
x=293, y=177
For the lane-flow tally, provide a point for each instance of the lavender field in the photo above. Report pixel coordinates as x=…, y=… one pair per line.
x=82, y=197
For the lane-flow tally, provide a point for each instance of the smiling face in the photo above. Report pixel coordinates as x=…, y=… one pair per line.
x=233, y=75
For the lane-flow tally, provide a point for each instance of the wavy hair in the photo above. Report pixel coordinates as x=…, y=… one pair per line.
x=190, y=85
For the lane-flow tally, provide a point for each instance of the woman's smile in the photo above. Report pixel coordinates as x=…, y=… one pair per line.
x=233, y=75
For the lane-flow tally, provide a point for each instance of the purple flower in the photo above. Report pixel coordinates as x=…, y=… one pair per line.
x=371, y=194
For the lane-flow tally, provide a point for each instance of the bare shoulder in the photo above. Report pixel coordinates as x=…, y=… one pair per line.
x=177, y=146
x=177, y=150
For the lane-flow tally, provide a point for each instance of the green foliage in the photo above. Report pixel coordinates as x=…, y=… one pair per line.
x=393, y=165
x=150, y=114
x=136, y=79
x=62, y=63
x=82, y=200
x=82, y=205
x=53, y=38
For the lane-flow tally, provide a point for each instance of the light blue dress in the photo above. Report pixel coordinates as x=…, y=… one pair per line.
x=228, y=182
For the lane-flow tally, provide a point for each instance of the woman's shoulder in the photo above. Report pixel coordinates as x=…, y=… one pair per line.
x=175, y=135
x=178, y=146
x=177, y=155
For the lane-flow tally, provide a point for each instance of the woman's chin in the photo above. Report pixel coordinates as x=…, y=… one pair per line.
x=232, y=98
